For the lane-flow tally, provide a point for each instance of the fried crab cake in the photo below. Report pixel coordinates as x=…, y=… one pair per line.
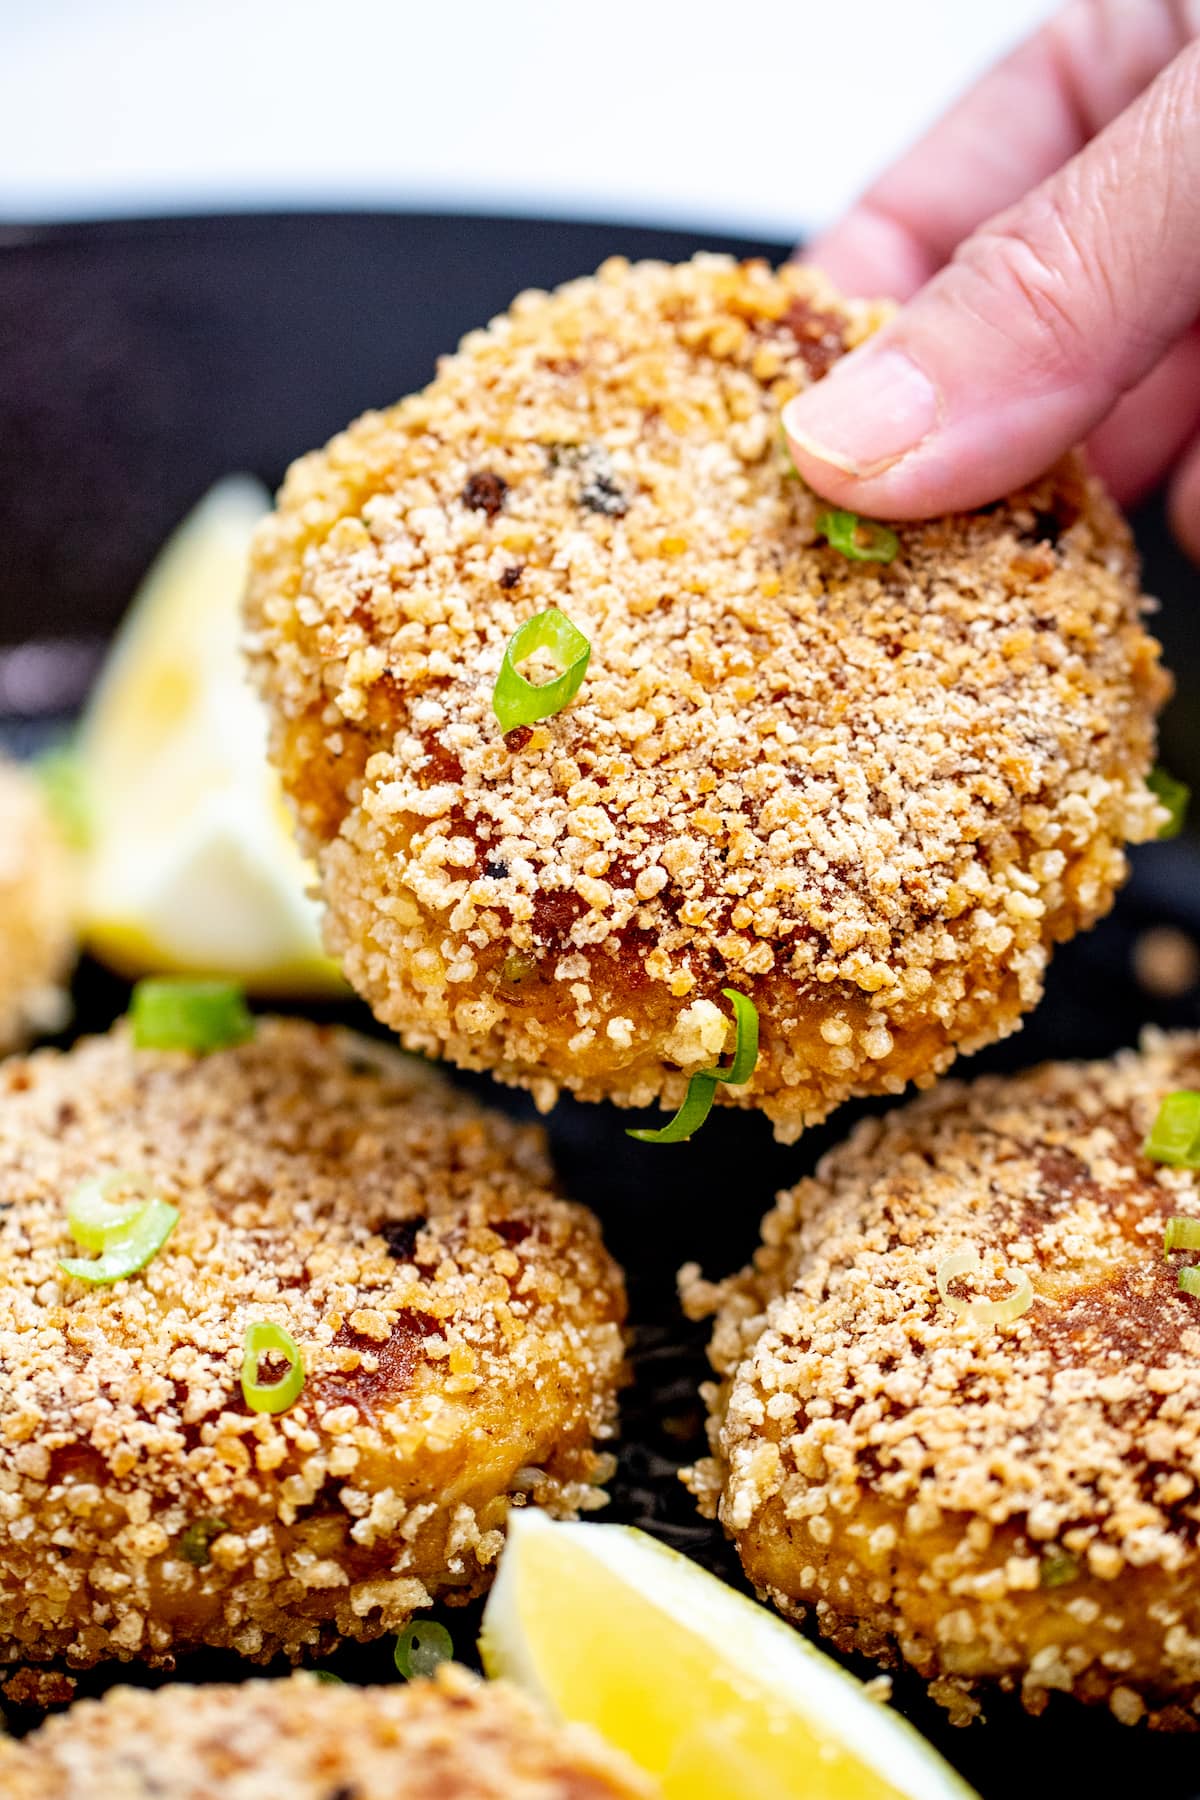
x=452, y=1738
x=460, y=1328
x=871, y=795
x=1015, y=1501
x=37, y=940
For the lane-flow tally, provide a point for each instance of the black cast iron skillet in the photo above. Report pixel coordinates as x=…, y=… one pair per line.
x=141, y=360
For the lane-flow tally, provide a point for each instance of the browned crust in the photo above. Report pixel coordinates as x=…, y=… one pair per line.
x=917, y=1478
x=453, y=1738
x=37, y=940
x=872, y=797
x=460, y=1325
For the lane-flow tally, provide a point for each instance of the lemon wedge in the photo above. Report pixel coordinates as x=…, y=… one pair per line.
x=703, y=1689
x=192, y=865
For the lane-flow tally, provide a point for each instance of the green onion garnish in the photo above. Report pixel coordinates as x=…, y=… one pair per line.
x=328, y=1675
x=1189, y=1281
x=1058, y=1567
x=516, y=969
x=265, y=1338
x=1181, y=1234
x=194, y=1544
x=745, y=1048
x=125, y=1246
x=516, y=701
x=1175, y=1134
x=92, y=1212
x=702, y=1087
x=697, y=1104
x=421, y=1647
x=178, y=1013
x=983, y=1312
x=1172, y=794
x=863, y=540
x=60, y=771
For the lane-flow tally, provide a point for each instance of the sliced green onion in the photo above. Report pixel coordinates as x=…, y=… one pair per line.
x=60, y=771
x=126, y=1234
x=421, y=1647
x=128, y=1247
x=516, y=701
x=516, y=969
x=194, y=1544
x=983, y=1312
x=1058, y=1568
x=697, y=1104
x=1181, y=1234
x=172, y=1012
x=745, y=1048
x=265, y=1338
x=1175, y=1134
x=702, y=1088
x=863, y=540
x=1189, y=1281
x=1172, y=794
x=328, y=1675
x=92, y=1212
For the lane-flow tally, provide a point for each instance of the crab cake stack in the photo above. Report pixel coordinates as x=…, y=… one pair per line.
x=459, y=1327
x=452, y=1738
x=37, y=940
x=870, y=794
x=957, y=1413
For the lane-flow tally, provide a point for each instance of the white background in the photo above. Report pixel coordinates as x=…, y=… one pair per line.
x=766, y=115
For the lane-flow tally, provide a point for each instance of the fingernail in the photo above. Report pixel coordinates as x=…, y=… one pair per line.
x=867, y=413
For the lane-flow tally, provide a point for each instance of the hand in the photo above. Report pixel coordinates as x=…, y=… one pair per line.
x=1071, y=314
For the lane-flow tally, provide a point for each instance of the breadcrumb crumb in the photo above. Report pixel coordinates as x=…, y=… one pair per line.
x=872, y=796
x=460, y=1327
x=451, y=1738
x=1006, y=1502
x=37, y=937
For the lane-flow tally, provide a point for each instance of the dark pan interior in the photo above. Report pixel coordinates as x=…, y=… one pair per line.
x=138, y=362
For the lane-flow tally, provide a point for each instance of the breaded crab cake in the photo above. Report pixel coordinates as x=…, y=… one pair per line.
x=452, y=1738
x=37, y=939
x=869, y=794
x=459, y=1325
x=1015, y=1501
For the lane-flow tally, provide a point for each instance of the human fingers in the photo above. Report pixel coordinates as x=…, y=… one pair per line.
x=1150, y=426
x=1027, y=339
x=1017, y=125
x=1184, y=503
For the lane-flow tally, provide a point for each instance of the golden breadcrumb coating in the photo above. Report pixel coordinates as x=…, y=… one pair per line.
x=460, y=1327
x=1015, y=1502
x=869, y=795
x=37, y=939
x=452, y=1738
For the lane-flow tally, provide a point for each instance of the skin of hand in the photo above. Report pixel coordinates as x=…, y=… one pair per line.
x=1045, y=237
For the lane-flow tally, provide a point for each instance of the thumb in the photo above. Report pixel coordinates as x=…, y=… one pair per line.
x=1026, y=340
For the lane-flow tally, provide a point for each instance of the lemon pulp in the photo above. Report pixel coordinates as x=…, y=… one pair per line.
x=703, y=1689
x=192, y=865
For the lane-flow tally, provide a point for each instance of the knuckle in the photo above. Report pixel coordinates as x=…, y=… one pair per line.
x=1034, y=281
